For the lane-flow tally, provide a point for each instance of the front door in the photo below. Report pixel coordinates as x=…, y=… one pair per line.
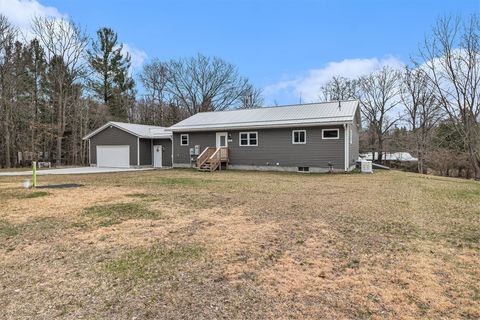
x=222, y=139
x=157, y=156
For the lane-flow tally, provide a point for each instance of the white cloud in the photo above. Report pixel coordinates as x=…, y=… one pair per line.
x=21, y=12
x=138, y=56
x=308, y=85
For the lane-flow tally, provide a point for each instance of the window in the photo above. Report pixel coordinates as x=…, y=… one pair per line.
x=248, y=138
x=184, y=140
x=330, y=133
x=351, y=136
x=303, y=169
x=299, y=136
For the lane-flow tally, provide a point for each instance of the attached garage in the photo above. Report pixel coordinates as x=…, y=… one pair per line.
x=123, y=145
x=113, y=156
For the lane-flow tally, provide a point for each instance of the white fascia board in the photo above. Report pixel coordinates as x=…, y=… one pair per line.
x=257, y=126
x=105, y=126
x=163, y=136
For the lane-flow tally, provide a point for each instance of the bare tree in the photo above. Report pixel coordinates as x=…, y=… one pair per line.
x=339, y=88
x=379, y=95
x=251, y=97
x=203, y=83
x=422, y=110
x=65, y=45
x=8, y=35
x=154, y=78
x=451, y=58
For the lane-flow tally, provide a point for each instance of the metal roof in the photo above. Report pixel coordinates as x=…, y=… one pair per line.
x=139, y=130
x=324, y=113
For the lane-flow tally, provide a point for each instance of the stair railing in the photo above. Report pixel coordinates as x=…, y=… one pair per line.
x=204, y=156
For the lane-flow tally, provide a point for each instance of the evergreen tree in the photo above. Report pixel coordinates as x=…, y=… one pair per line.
x=111, y=81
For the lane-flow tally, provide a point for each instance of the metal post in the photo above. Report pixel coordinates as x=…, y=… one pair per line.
x=34, y=174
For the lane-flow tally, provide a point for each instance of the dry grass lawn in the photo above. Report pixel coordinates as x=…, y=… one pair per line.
x=182, y=244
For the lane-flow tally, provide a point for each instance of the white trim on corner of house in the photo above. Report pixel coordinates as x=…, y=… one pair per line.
x=345, y=145
x=138, y=151
x=89, y=153
x=171, y=141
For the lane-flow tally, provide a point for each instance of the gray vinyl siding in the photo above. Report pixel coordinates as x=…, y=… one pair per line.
x=113, y=137
x=181, y=154
x=166, y=151
x=274, y=146
x=145, y=152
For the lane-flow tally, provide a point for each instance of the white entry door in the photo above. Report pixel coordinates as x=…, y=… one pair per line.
x=157, y=156
x=222, y=139
x=113, y=156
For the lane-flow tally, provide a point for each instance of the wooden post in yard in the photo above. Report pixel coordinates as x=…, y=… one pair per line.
x=34, y=174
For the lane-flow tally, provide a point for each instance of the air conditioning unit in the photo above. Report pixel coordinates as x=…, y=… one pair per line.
x=366, y=166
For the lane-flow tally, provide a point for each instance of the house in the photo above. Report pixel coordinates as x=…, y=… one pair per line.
x=314, y=137
x=118, y=144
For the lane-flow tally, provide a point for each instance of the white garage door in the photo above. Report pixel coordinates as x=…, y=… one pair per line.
x=113, y=156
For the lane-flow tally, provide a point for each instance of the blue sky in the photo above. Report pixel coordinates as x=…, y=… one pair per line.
x=287, y=48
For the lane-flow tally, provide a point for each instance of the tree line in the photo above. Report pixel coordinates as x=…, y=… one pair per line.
x=431, y=107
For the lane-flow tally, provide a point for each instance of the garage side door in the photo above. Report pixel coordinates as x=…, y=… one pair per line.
x=113, y=156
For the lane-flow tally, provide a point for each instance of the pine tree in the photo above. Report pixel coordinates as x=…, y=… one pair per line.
x=111, y=81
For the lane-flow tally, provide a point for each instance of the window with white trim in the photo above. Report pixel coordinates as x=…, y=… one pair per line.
x=351, y=136
x=330, y=133
x=299, y=136
x=184, y=139
x=248, y=139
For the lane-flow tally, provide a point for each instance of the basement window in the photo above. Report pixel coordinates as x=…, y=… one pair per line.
x=303, y=169
x=184, y=140
x=330, y=133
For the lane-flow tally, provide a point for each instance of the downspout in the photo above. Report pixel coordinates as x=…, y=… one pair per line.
x=138, y=152
x=346, y=144
x=89, y=153
x=171, y=139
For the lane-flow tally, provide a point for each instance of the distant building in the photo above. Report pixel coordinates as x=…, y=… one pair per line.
x=391, y=157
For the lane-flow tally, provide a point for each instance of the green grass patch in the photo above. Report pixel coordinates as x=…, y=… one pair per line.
x=152, y=263
x=179, y=181
x=35, y=194
x=7, y=230
x=110, y=214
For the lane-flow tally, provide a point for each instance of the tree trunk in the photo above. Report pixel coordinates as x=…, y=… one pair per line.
x=60, y=128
